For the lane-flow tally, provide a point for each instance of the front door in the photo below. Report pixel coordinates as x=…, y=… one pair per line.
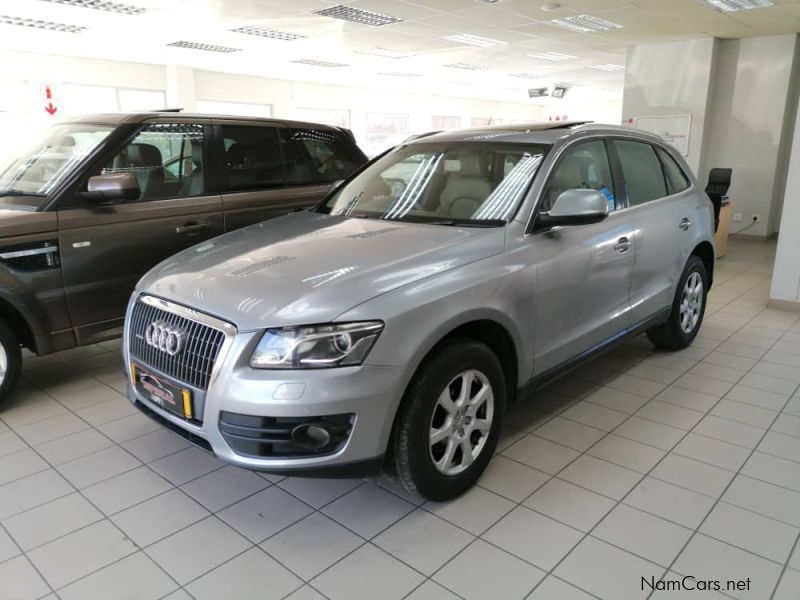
x=583, y=271
x=106, y=249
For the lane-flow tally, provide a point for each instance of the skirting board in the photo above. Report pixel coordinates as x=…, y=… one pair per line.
x=783, y=304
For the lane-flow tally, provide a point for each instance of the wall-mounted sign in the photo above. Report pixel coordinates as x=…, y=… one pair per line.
x=50, y=108
x=673, y=129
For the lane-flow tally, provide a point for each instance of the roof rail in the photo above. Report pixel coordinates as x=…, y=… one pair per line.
x=418, y=136
x=565, y=124
x=169, y=110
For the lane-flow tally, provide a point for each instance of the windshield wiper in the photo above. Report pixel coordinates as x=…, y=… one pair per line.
x=467, y=223
x=10, y=192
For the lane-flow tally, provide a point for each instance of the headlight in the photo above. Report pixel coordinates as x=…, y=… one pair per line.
x=315, y=346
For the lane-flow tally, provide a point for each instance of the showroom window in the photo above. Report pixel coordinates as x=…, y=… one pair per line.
x=252, y=159
x=81, y=99
x=480, y=121
x=384, y=130
x=334, y=117
x=644, y=177
x=239, y=109
x=445, y=122
x=584, y=167
x=316, y=155
x=676, y=178
x=167, y=160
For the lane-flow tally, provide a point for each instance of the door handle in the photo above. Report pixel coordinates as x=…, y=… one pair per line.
x=685, y=224
x=622, y=245
x=191, y=227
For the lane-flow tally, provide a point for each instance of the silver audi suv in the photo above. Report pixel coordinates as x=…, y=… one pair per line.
x=390, y=327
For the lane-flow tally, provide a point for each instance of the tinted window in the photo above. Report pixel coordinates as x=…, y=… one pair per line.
x=316, y=156
x=583, y=167
x=644, y=177
x=167, y=160
x=252, y=158
x=676, y=178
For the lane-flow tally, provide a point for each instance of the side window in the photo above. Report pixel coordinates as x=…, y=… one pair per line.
x=644, y=177
x=676, y=178
x=251, y=158
x=316, y=156
x=584, y=166
x=167, y=160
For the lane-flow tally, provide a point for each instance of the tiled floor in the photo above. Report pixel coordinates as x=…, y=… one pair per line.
x=641, y=464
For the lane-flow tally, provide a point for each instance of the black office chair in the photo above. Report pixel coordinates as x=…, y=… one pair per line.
x=719, y=181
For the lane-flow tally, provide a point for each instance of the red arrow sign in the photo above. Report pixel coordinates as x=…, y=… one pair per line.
x=48, y=92
x=51, y=109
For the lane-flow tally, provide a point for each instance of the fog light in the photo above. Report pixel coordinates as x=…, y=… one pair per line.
x=311, y=436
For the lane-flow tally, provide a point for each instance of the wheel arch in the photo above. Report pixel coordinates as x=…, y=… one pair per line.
x=18, y=323
x=705, y=252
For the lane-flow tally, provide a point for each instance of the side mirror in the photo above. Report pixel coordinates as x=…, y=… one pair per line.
x=576, y=207
x=113, y=187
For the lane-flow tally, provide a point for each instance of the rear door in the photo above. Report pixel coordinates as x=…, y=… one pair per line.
x=267, y=170
x=656, y=193
x=105, y=249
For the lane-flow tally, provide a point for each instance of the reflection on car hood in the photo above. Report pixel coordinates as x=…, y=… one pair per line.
x=309, y=268
x=24, y=220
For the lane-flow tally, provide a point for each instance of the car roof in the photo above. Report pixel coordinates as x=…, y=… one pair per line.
x=531, y=133
x=136, y=118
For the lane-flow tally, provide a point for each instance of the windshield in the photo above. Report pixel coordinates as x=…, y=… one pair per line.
x=448, y=184
x=46, y=162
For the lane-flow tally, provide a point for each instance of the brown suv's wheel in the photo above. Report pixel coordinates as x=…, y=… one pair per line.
x=10, y=360
x=688, y=309
x=448, y=426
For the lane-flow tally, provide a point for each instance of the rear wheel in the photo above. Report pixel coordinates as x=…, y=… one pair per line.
x=449, y=423
x=688, y=309
x=10, y=361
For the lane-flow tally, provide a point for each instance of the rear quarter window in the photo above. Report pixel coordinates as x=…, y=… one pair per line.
x=677, y=181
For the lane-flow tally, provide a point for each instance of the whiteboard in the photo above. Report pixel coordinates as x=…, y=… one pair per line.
x=673, y=129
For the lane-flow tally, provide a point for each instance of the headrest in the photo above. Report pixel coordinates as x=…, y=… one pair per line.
x=470, y=166
x=197, y=153
x=143, y=155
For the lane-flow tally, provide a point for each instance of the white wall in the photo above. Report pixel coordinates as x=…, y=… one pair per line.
x=671, y=79
x=747, y=114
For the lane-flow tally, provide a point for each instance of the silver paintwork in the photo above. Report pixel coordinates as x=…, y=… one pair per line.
x=580, y=203
x=556, y=293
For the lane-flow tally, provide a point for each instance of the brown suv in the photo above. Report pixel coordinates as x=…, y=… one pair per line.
x=99, y=200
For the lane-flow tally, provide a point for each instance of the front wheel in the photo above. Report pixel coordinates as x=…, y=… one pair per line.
x=10, y=361
x=688, y=309
x=448, y=426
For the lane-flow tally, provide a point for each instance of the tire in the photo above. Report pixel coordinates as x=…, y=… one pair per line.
x=474, y=421
x=684, y=319
x=10, y=361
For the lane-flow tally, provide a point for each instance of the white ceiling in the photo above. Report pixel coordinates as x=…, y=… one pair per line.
x=521, y=28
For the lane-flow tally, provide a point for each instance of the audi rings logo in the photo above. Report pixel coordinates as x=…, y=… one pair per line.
x=164, y=337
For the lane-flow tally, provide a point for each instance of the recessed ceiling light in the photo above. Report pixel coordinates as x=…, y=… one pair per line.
x=384, y=53
x=39, y=24
x=317, y=63
x=115, y=7
x=399, y=74
x=473, y=40
x=206, y=47
x=526, y=75
x=269, y=33
x=606, y=67
x=356, y=15
x=734, y=5
x=465, y=66
x=552, y=56
x=585, y=23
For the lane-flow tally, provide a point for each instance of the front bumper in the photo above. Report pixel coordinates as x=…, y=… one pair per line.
x=371, y=394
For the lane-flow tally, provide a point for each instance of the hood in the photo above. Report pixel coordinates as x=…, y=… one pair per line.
x=307, y=268
x=19, y=220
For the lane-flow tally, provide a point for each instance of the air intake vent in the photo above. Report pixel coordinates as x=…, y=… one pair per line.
x=113, y=7
x=39, y=24
x=269, y=33
x=204, y=47
x=318, y=63
x=356, y=15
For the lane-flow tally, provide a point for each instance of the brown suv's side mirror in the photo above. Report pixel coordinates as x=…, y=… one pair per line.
x=112, y=187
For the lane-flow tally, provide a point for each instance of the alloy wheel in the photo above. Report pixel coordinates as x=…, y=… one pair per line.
x=691, y=302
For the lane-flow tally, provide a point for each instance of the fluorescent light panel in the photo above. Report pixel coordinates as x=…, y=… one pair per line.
x=205, y=47
x=734, y=5
x=114, y=7
x=606, y=67
x=465, y=66
x=269, y=33
x=526, y=75
x=585, y=23
x=473, y=40
x=356, y=15
x=39, y=24
x=383, y=53
x=552, y=56
x=317, y=63
x=399, y=74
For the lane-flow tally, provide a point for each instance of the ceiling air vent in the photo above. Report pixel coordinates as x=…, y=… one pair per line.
x=585, y=23
x=552, y=56
x=39, y=24
x=272, y=34
x=526, y=75
x=356, y=15
x=318, y=63
x=205, y=47
x=473, y=40
x=112, y=7
x=734, y=5
x=383, y=53
x=399, y=74
x=465, y=66
x=607, y=67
